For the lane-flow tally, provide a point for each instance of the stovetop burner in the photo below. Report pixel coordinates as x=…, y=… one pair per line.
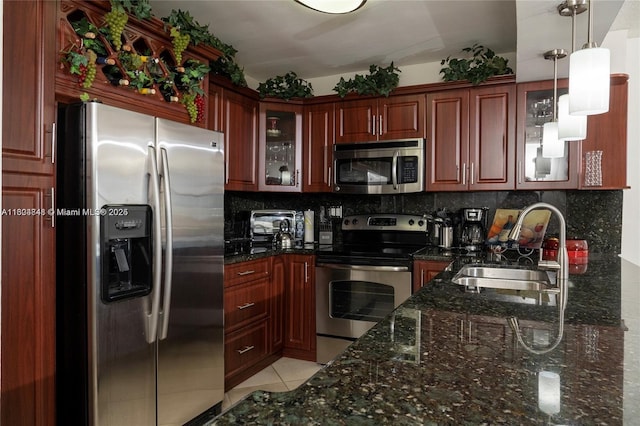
x=378, y=239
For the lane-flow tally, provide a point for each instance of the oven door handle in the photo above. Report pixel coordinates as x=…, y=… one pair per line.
x=363, y=267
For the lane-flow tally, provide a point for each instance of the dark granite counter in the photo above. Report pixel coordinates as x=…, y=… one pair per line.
x=449, y=357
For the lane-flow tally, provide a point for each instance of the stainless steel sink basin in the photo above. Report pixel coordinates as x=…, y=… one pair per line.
x=510, y=278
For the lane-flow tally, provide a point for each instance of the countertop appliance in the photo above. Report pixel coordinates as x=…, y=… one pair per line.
x=386, y=167
x=264, y=226
x=139, y=269
x=474, y=228
x=361, y=281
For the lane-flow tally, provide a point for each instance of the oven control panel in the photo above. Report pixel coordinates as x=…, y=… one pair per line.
x=385, y=222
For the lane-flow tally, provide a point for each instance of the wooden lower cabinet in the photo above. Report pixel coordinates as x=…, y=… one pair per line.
x=247, y=316
x=300, y=308
x=269, y=312
x=425, y=270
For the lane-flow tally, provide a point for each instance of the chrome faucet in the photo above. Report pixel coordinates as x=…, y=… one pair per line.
x=562, y=277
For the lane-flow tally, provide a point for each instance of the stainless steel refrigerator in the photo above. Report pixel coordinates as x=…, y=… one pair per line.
x=139, y=219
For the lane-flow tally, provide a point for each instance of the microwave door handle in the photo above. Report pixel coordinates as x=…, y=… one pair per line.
x=394, y=170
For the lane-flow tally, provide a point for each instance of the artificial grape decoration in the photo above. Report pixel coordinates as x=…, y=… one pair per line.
x=180, y=42
x=90, y=69
x=199, y=103
x=116, y=19
x=188, y=100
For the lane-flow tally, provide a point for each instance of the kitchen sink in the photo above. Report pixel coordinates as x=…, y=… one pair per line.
x=476, y=276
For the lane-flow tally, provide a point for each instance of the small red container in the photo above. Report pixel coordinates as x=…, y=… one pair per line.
x=577, y=250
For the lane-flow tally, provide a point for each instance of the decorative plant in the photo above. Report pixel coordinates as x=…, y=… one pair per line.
x=116, y=19
x=380, y=81
x=82, y=64
x=141, y=9
x=188, y=82
x=197, y=33
x=483, y=64
x=286, y=87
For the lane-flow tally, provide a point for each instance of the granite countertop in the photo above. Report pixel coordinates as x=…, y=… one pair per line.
x=449, y=357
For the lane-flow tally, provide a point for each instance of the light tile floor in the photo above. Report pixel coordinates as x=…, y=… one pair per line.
x=283, y=375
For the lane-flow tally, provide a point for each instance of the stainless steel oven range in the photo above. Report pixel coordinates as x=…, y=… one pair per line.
x=363, y=280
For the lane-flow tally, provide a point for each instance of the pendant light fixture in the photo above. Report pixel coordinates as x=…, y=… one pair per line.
x=333, y=6
x=589, y=70
x=571, y=127
x=552, y=147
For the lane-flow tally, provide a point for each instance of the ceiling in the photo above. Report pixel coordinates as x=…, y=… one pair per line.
x=274, y=37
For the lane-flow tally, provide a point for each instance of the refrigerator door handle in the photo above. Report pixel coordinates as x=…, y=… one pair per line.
x=168, y=255
x=152, y=318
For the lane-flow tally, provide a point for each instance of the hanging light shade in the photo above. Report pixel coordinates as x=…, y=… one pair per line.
x=589, y=70
x=570, y=127
x=552, y=147
x=333, y=6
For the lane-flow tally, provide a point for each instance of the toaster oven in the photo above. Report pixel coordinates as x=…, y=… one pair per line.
x=265, y=224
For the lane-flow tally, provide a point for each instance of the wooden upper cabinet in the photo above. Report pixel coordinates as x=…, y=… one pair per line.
x=240, y=142
x=447, y=140
x=471, y=139
x=395, y=117
x=492, y=135
x=28, y=140
x=215, y=120
x=608, y=133
x=535, y=172
x=280, y=146
x=317, y=149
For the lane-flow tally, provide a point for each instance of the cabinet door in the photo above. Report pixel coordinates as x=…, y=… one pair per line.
x=492, y=138
x=608, y=133
x=241, y=143
x=280, y=150
x=28, y=349
x=354, y=121
x=276, y=316
x=447, y=140
x=425, y=270
x=300, y=308
x=535, y=172
x=317, y=149
x=401, y=117
x=215, y=120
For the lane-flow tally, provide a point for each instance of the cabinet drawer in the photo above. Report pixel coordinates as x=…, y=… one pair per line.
x=245, y=271
x=245, y=303
x=245, y=347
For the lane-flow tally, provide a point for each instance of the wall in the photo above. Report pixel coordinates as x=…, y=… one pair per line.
x=593, y=215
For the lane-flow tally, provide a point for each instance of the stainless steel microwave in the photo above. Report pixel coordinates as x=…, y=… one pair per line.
x=386, y=167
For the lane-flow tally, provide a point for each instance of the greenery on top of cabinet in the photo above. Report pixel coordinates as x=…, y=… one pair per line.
x=380, y=81
x=483, y=64
x=286, y=87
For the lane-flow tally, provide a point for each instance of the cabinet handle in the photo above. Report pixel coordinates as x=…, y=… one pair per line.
x=329, y=178
x=306, y=272
x=50, y=214
x=464, y=173
x=297, y=178
x=246, y=305
x=380, y=125
x=242, y=274
x=519, y=171
x=245, y=349
x=421, y=278
x=471, y=174
x=373, y=128
x=53, y=143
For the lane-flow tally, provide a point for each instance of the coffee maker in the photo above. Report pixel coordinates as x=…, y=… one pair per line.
x=474, y=225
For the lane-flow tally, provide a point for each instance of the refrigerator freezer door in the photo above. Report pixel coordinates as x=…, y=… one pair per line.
x=190, y=347
x=119, y=152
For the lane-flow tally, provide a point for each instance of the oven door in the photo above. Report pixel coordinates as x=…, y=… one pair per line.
x=350, y=299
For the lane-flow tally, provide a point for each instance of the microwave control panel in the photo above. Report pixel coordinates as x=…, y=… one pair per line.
x=408, y=169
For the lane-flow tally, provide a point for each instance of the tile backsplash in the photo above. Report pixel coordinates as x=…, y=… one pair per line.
x=592, y=215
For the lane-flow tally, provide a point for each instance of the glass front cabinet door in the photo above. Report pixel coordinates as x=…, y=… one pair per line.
x=535, y=171
x=280, y=152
